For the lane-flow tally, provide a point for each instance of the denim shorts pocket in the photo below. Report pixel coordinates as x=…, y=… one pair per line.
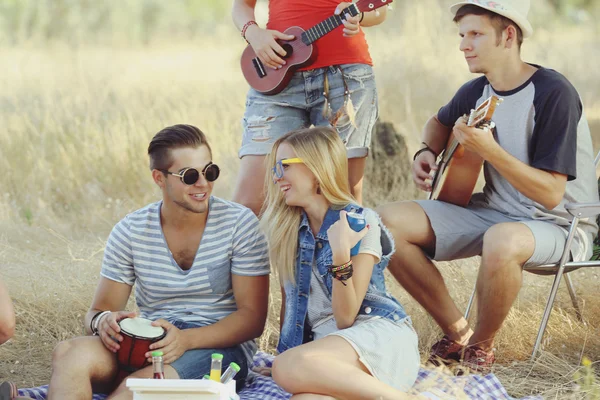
x=219, y=277
x=359, y=72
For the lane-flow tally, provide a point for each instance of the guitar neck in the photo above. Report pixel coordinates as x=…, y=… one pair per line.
x=324, y=27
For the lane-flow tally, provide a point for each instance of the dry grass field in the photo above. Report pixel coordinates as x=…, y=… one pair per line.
x=76, y=120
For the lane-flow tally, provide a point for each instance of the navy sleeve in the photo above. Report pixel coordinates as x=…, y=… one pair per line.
x=463, y=102
x=558, y=111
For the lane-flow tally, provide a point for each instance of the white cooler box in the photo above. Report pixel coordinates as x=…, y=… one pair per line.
x=181, y=389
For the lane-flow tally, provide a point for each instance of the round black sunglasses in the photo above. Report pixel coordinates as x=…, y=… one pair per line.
x=190, y=175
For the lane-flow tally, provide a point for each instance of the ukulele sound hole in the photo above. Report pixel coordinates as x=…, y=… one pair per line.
x=289, y=50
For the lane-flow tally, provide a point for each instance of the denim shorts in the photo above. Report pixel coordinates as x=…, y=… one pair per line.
x=300, y=105
x=194, y=364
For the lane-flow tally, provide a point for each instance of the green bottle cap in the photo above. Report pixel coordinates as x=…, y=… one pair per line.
x=235, y=367
x=157, y=353
x=217, y=356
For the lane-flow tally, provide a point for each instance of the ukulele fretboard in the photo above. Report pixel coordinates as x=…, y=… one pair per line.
x=323, y=28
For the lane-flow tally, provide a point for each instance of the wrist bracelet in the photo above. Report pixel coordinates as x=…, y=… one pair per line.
x=97, y=322
x=245, y=27
x=342, y=272
x=426, y=148
x=362, y=16
x=92, y=321
x=339, y=268
x=347, y=274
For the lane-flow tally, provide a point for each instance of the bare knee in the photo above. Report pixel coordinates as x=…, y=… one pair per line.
x=63, y=352
x=7, y=331
x=289, y=366
x=84, y=353
x=506, y=244
x=281, y=369
x=408, y=223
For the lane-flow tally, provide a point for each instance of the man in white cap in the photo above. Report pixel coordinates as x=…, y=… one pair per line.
x=538, y=158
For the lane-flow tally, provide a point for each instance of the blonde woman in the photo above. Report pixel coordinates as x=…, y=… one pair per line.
x=342, y=334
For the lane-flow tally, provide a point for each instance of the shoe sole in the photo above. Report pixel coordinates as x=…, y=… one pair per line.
x=7, y=391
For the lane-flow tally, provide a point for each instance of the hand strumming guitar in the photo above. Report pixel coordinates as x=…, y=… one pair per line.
x=422, y=169
x=264, y=44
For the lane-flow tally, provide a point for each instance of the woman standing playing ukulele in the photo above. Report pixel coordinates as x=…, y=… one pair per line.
x=337, y=89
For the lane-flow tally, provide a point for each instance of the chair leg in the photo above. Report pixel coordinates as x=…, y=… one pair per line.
x=573, y=295
x=470, y=304
x=547, y=311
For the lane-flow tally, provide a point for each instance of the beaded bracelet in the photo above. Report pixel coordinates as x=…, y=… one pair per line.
x=342, y=272
x=339, y=268
x=246, y=26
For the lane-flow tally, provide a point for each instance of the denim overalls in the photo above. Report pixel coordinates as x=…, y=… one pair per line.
x=377, y=302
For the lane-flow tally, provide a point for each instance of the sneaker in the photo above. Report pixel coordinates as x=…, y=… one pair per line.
x=478, y=360
x=8, y=391
x=446, y=352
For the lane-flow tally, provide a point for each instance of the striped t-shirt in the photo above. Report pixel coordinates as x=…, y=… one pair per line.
x=232, y=243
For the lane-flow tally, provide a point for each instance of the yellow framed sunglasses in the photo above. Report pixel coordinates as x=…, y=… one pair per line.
x=278, y=168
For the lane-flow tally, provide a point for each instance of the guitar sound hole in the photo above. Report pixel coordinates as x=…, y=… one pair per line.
x=289, y=50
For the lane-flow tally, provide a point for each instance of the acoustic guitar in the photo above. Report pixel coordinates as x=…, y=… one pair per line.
x=458, y=168
x=300, y=51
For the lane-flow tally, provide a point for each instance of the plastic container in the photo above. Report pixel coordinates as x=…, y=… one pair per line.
x=181, y=389
x=357, y=223
x=216, y=364
x=230, y=372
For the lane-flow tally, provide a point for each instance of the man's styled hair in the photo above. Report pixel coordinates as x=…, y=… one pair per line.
x=499, y=22
x=173, y=137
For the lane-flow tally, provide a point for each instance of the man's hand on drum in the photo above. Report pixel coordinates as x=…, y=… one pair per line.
x=172, y=345
x=109, y=329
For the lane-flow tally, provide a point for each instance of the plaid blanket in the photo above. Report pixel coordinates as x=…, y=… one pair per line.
x=431, y=384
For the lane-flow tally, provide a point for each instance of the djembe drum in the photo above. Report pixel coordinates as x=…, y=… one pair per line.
x=138, y=334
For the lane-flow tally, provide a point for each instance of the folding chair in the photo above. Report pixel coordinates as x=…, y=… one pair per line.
x=578, y=211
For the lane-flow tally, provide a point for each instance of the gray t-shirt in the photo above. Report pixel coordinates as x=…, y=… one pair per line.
x=541, y=123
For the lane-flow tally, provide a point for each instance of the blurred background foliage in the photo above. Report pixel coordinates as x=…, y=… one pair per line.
x=140, y=22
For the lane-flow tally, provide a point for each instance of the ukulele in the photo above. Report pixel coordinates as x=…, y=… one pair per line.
x=300, y=51
x=459, y=169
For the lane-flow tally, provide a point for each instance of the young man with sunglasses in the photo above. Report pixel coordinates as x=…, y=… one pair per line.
x=200, y=265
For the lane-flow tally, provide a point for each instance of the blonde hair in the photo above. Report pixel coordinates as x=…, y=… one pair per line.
x=325, y=156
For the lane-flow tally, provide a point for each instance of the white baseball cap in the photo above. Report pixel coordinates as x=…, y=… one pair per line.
x=515, y=10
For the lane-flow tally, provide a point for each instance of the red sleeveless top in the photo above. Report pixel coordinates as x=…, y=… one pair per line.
x=333, y=48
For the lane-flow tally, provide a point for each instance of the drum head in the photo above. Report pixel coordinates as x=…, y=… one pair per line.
x=141, y=328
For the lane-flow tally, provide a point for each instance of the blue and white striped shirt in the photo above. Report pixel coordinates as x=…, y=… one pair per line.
x=232, y=243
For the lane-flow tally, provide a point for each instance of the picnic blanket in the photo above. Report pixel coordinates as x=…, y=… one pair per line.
x=431, y=383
